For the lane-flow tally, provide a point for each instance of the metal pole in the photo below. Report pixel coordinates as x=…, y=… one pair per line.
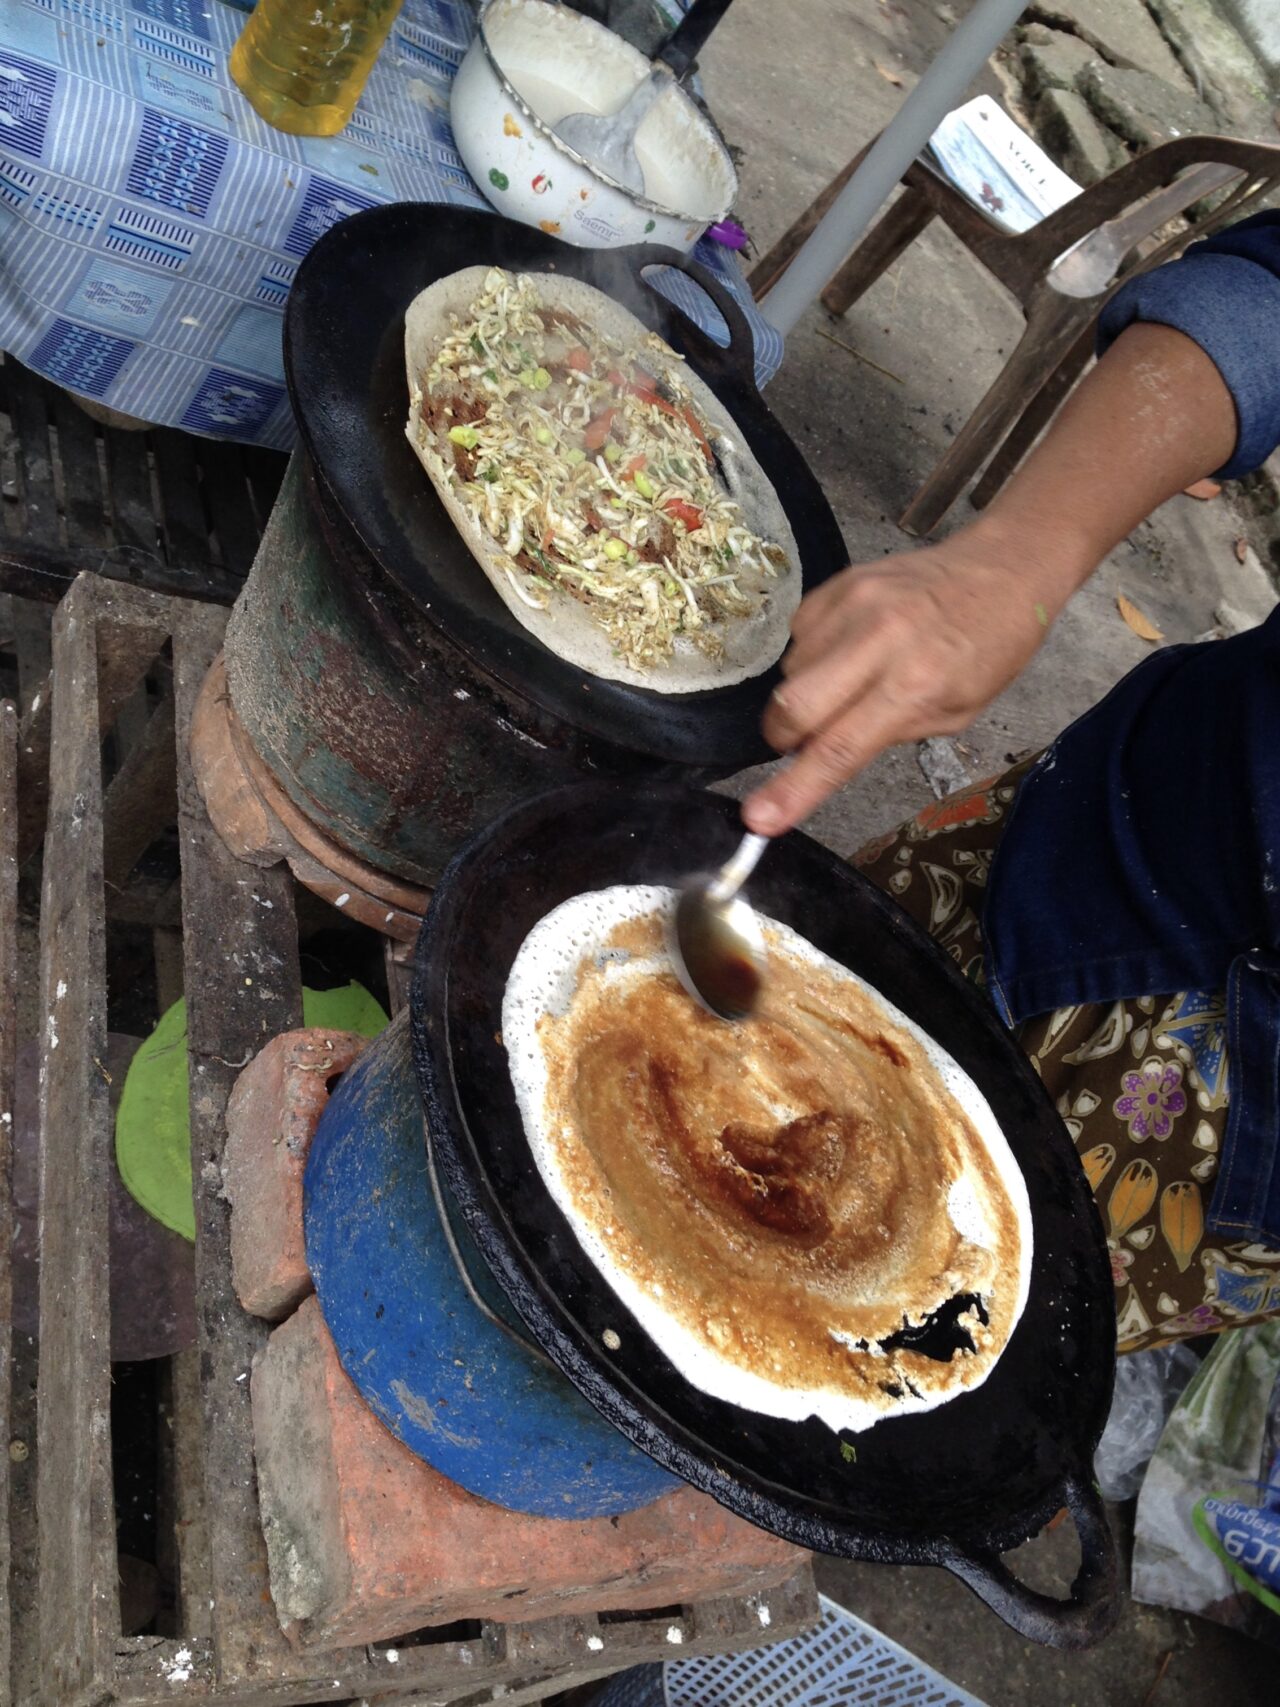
x=962, y=56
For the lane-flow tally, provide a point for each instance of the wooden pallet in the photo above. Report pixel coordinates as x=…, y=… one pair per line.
x=241, y=975
x=160, y=509
x=8, y=1064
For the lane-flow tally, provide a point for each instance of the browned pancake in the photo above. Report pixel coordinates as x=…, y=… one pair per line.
x=785, y=1193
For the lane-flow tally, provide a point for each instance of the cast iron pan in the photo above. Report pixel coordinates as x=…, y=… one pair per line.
x=344, y=359
x=954, y=1487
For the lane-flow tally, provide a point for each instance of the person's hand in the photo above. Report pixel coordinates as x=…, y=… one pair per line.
x=915, y=645
x=920, y=643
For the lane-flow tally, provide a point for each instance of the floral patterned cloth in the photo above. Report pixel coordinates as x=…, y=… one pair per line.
x=1141, y=1085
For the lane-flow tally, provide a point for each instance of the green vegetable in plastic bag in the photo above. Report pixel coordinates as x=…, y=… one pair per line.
x=1194, y=1536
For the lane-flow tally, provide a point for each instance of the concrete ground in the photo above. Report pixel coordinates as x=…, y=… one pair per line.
x=937, y=328
x=1154, y=1658
x=799, y=89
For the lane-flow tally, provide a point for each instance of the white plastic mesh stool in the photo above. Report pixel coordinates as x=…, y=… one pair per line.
x=841, y=1663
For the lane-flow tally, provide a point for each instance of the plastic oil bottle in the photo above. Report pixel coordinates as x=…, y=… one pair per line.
x=303, y=63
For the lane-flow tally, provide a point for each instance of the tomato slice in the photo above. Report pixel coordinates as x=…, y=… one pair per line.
x=579, y=359
x=655, y=398
x=686, y=415
x=597, y=429
x=633, y=467
x=681, y=511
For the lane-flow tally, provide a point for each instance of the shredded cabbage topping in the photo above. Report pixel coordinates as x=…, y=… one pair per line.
x=597, y=477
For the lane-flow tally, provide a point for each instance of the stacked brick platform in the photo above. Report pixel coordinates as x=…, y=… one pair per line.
x=271, y=1116
x=366, y=1541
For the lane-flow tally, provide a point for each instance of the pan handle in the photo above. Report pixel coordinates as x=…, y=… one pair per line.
x=1093, y=1606
x=734, y=362
x=689, y=37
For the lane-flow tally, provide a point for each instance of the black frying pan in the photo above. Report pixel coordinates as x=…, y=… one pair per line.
x=690, y=35
x=954, y=1487
x=680, y=49
x=344, y=359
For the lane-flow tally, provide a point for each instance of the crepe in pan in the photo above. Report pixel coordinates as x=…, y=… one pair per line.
x=600, y=484
x=779, y=1204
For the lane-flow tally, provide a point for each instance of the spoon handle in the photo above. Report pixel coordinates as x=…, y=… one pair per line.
x=638, y=102
x=736, y=870
x=684, y=43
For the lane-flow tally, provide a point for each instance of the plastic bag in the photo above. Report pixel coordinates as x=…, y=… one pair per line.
x=1148, y=1386
x=1245, y=1533
x=1207, y=1534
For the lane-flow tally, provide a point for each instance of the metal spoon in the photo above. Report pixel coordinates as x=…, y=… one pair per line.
x=717, y=943
x=608, y=141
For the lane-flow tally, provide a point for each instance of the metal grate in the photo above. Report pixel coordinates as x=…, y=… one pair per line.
x=639, y=1687
x=841, y=1663
x=163, y=509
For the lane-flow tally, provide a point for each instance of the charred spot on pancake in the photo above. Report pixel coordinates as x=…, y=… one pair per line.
x=942, y=1333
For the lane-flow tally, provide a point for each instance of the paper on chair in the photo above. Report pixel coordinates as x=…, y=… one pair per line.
x=996, y=165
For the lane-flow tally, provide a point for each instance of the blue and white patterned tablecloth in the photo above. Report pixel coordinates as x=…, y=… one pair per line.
x=151, y=223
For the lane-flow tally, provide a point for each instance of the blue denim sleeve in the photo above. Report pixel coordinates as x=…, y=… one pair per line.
x=1225, y=294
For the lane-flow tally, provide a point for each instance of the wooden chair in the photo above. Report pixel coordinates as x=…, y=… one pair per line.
x=1112, y=222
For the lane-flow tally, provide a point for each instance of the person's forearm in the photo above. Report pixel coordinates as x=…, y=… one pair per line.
x=1150, y=419
x=918, y=644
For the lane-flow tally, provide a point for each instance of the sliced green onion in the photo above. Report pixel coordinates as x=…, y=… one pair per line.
x=467, y=437
x=644, y=486
x=612, y=453
x=614, y=548
x=544, y=435
x=541, y=379
x=575, y=456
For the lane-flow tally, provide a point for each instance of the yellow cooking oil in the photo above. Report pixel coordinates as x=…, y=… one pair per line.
x=303, y=63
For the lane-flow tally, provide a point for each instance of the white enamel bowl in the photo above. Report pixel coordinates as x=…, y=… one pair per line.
x=530, y=65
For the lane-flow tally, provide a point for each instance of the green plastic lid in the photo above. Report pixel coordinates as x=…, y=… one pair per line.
x=153, y=1126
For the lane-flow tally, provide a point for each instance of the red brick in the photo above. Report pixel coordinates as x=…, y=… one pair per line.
x=368, y=1543
x=271, y=1117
